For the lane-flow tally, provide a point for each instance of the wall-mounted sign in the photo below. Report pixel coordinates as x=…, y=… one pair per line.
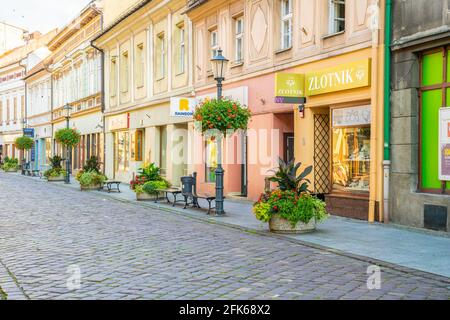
x=182, y=107
x=351, y=117
x=119, y=122
x=289, y=87
x=28, y=132
x=343, y=77
x=444, y=144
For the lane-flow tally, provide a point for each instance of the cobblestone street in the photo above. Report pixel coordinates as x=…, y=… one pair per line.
x=125, y=251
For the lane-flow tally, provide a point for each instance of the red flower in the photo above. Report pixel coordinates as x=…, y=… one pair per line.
x=211, y=126
x=219, y=118
x=275, y=208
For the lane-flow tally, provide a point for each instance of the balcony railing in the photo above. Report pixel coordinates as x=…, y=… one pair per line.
x=194, y=3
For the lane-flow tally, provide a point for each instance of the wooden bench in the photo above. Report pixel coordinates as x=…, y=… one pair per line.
x=173, y=191
x=109, y=186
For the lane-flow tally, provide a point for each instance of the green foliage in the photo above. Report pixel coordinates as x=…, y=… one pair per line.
x=55, y=162
x=54, y=172
x=24, y=143
x=151, y=187
x=150, y=172
x=91, y=178
x=10, y=164
x=290, y=206
x=68, y=137
x=92, y=164
x=223, y=115
x=287, y=178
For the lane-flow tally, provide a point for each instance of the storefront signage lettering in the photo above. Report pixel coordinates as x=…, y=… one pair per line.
x=444, y=144
x=119, y=122
x=182, y=107
x=354, y=116
x=28, y=132
x=343, y=77
x=289, y=87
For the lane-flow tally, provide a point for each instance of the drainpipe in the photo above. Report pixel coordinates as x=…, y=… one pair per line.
x=102, y=53
x=387, y=108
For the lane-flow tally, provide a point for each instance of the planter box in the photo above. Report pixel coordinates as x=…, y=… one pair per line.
x=278, y=224
x=11, y=170
x=56, y=179
x=145, y=197
x=90, y=188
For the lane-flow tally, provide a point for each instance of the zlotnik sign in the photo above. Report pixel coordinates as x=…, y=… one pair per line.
x=444, y=144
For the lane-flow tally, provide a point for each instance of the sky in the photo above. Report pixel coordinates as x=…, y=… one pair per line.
x=40, y=15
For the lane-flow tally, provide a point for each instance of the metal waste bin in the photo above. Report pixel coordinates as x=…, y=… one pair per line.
x=187, y=184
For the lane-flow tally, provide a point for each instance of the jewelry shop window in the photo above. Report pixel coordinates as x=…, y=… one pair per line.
x=351, y=149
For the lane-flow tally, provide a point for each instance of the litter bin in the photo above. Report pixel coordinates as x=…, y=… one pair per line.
x=187, y=185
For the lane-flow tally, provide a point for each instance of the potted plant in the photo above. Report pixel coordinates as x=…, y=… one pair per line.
x=225, y=116
x=67, y=137
x=56, y=172
x=10, y=164
x=91, y=178
x=147, y=182
x=290, y=208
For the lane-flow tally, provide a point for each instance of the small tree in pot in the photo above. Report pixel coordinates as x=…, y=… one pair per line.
x=290, y=208
x=24, y=143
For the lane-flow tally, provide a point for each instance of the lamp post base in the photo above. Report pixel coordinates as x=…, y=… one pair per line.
x=219, y=191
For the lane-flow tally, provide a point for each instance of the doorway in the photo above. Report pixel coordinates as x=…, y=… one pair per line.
x=288, y=147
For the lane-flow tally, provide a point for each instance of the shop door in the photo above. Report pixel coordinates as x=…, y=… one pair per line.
x=288, y=147
x=322, y=153
x=244, y=168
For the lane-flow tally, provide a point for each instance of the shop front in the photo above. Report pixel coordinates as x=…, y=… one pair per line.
x=156, y=134
x=9, y=148
x=335, y=132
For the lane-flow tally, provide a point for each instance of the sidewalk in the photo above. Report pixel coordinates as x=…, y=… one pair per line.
x=416, y=249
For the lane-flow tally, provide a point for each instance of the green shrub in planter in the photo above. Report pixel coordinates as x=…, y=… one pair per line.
x=91, y=178
x=151, y=187
x=54, y=173
x=10, y=164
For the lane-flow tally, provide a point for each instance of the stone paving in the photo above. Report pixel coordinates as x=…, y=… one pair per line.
x=123, y=251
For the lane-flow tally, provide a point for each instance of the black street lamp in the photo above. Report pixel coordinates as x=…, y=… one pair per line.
x=219, y=66
x=67, y=109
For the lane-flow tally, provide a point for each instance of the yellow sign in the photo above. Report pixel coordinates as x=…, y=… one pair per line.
x=343, y=77
x=289, y=85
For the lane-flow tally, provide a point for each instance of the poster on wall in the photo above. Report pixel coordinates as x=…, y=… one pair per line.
x=444, y=144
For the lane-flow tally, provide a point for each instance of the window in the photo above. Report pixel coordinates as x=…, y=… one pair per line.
x=435, y=92
x=15, y=109
x=214, y=43
x=1, y=113
x=160, y=57
x=182, y=50
x=286, y=24
x=336, y=16
x=113, y=78
x=211, y=160
x=22, y=106
x=351, y=159
x=137, y=143
x=239, y=41
x=163, y=150
x=8, y=112
x=140, y=65
x=124, y=74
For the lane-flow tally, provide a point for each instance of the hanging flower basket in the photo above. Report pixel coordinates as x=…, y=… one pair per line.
x=225, y=116
x=24, y=143
x=68, y=137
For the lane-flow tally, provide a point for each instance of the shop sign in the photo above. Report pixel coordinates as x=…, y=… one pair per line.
x=28, y=132
x=444, y=144
x=182, y=107
x=343, y=77
x=289, y=87
x=118, y=122
x=351, y=117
